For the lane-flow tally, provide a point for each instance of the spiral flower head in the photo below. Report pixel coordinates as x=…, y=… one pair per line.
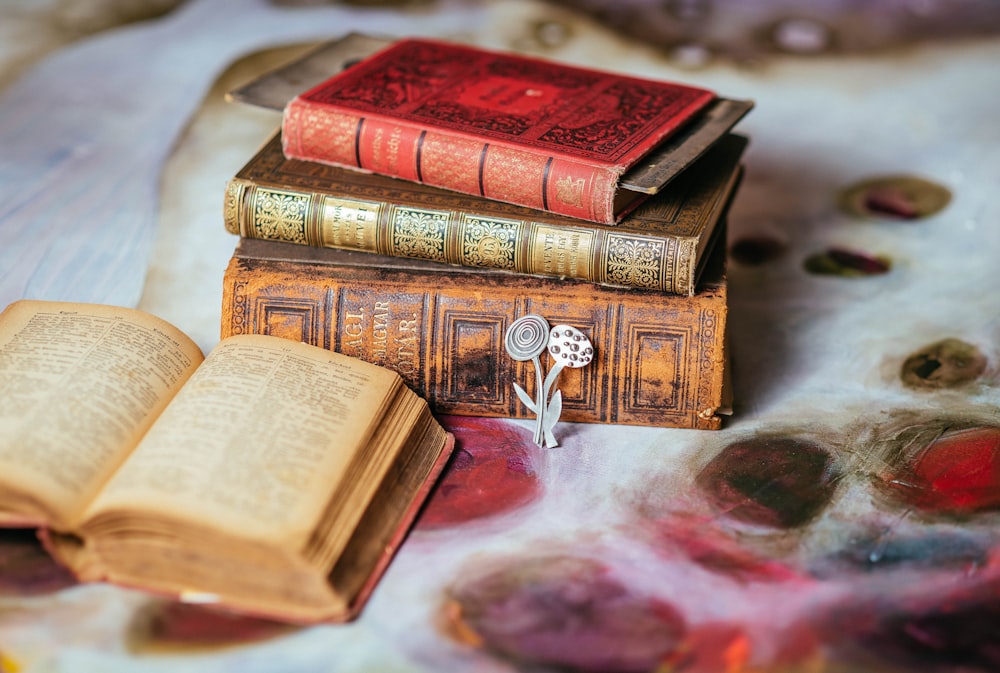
x=569, y=346
x=526, y=337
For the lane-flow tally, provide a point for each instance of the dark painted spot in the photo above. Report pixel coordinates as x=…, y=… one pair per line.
x=955, y=472
x=491, y=472
x=26, y=569
x=944, y=364
x=959, y=631
x=780, y=482
x=899, y=197
x=846, y=263
x=757, y=250
x=936, y=550
x=171, y=625
x=566, y=612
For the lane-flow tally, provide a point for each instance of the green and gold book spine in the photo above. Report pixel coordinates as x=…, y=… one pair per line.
x=661, y=247
x=660, y=360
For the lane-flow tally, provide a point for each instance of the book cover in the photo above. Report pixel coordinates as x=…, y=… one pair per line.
x=660, y=359
x=661, y=246
x=512, y=128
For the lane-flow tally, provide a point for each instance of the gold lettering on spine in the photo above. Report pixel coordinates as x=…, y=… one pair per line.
x=392, y=165
x=369, y=330
x=563, y=251
x=349, y=223
x=380, y=332
x=406, y=347
x=354, y=328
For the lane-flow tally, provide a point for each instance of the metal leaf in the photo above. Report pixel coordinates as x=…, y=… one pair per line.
x=525, y=399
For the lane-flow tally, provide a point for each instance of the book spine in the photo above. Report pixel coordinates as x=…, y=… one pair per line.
x=607, y=256
x=660, y=360
x=459, y=162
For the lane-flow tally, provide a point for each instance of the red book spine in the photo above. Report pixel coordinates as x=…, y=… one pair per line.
x=456, y=161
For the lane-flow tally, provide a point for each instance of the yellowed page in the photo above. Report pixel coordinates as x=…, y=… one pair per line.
x=257, y=439
x=79, y=385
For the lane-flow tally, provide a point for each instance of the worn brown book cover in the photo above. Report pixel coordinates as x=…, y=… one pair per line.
x=660, y=359
x=267, y=477
x=662, y=246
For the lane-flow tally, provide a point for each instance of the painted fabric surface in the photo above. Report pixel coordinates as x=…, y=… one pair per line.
x=847, y=518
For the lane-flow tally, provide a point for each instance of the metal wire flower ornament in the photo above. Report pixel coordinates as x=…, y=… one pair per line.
x=526, y=339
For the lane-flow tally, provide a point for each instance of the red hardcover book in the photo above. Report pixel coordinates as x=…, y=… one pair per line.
x=522, y=130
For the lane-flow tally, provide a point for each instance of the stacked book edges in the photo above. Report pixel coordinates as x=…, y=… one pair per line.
x=421, y=260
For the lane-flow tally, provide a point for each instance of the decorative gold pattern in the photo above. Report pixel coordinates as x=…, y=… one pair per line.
x=489, y=242
x=570, y=191
x=709, y=356
x=326, y=134
x=633, y=261
x=684, y=264
x=510, y=175
x=419, y=233
x=451, y=163
x=280, y=215
x=239, y=312
x=231, y=210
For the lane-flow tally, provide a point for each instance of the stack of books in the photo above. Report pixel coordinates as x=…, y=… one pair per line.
x=423, y=196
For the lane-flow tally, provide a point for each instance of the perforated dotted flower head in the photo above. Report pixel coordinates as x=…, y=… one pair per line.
x=570, y=347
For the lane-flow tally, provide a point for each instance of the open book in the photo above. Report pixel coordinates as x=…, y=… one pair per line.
x=271, y=476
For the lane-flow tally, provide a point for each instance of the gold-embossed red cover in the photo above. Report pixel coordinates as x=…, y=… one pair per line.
x=660, y=359
x=512, y=128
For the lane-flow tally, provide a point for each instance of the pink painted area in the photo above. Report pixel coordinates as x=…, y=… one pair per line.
x=491, y=472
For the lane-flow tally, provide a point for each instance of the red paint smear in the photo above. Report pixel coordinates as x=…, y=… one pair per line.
x=959, y=473
x=726, y=647
x=718, y=553
x=891, y=201
x=490, y=473
x=186, y=624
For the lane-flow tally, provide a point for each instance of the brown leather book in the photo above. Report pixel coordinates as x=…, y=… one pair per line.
x=661, y=246
x=660, y=359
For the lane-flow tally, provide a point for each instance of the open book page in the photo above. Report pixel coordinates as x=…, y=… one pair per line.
x=79, y=385
x=256, y=442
